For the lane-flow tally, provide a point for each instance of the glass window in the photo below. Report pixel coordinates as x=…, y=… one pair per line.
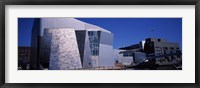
x=94, y=42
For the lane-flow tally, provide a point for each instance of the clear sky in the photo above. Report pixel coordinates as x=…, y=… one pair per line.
x=127, y=31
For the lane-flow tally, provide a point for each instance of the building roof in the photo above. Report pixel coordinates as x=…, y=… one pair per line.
x=64, y=22
x=135, y=46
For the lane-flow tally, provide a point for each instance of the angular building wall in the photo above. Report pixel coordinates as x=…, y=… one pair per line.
x=87, y=62
x=80, y=37
x=64, y=53
x=162, y=46
x=35, y=45
x=61, y=22
x=84, y=49
x=166, y=48
x=94, y=39
x=100, y=55
x=106, y=55
x=57, y=22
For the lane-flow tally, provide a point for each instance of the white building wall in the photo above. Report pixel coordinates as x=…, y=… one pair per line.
x=127, y=60
x=95, y=61
x=87, y=62
x=117, y=57
x=61, y=22
x=106, y=55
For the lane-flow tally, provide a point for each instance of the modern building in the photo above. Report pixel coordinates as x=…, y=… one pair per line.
x=24, y=53
x=152, y=51
x=157, y=47
x=68, y=43
x=61, y=46
x=128, y=53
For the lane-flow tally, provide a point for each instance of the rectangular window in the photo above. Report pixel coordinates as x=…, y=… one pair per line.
x=158, y=40
x=94, y=42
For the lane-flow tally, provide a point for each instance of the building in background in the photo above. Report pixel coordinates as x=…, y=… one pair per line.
x=35, y=45
x=157, y=47
x=67, y=43
x=128, y=53
x=24, y=53
x=151, y=52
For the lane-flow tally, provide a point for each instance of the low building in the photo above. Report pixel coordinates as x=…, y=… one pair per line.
x=24, y=53
x=152, y=51
x=157, y=47
x=128, y=53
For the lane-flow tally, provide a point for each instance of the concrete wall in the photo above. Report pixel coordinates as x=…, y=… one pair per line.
x=160, y=49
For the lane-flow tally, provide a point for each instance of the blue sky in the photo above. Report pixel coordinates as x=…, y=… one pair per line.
x=127, y=31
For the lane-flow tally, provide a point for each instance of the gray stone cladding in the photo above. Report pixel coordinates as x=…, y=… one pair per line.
x=64, y=52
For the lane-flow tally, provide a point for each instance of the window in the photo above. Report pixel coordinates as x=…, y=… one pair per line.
x=171, y=49
x=127, y=54
x=158, y=40
x=165, y=48
x=166, y=57
x=179, y=56
x=94, y=38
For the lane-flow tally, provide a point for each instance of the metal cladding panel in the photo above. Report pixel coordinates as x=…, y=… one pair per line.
x=87, y=62
x=35, y=45
x=127, y=60
x=45, y=49
x=106, y=38
x=61, y=22
x=117, y=56
x=95, y=61
x=106, y=55
x=84, y=49
x=80, y=37
x=138, y=57
x=95, y=28
x=64, y=53
x=90, y=26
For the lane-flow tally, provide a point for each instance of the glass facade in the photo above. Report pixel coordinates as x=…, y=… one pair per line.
x=94, y=39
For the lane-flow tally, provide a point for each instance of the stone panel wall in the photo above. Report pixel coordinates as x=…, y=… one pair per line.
x=64, y=52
